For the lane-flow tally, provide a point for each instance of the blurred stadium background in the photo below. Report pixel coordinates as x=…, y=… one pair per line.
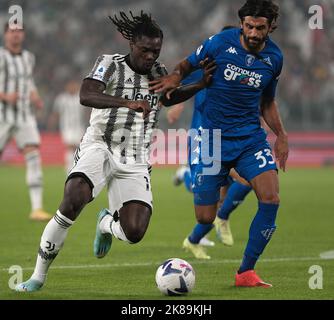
x=68, y=36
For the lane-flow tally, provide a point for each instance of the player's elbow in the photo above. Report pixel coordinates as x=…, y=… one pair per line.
x=85, y=99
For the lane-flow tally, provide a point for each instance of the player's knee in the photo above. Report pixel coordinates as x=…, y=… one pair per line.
x=76, y=195
x=134, y=221
x=270, y=197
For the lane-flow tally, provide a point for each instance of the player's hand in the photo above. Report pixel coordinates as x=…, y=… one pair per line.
x=36, y=100
x=140, y=106
x=208, y=69
x=165, y=84
x=11, y=98
x=281, y=149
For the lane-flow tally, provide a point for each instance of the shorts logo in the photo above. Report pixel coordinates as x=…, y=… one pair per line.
x=250, y=60
x=199, y=179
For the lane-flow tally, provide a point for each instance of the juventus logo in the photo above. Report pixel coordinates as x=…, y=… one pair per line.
x=51, y=246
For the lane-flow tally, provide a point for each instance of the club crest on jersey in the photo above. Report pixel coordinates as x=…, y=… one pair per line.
x=249, y=60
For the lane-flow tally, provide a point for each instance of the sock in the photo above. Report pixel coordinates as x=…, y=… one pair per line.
x=69, y=159
x=111, y=224
x=52, y=241
x=187, y=180
x=34, y=178
x=260, y=233
x=236, y=193
x=199, y=232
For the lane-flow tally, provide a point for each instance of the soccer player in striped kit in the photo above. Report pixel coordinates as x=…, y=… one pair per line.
x=114, y=152
x=18, y=94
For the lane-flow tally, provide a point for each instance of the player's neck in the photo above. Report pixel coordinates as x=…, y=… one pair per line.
x=244, y=45
x=14, y=49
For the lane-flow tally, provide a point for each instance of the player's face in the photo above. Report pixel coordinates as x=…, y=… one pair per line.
x=14, y=37
x=144, y=52
x=255, y=32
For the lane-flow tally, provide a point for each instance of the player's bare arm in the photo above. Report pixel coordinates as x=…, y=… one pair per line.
x=91, y=95
x=10, y=98
x=272, y=117
x=183, y=93
x=36, y=99
x=172, y=81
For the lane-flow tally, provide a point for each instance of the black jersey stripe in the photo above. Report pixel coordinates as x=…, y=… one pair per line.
x=113, y=113
x=130, y=119
x=25, y=94
x=111, y=69
x=15, y=106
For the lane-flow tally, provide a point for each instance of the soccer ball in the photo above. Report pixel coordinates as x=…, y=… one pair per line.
x=175, y=277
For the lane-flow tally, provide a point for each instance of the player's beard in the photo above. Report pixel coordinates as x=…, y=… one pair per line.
x=254, y=45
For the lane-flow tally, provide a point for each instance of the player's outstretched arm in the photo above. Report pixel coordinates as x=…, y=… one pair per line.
x=170, y=82
x=183, y=93
x=272, y=117
x=91, y=95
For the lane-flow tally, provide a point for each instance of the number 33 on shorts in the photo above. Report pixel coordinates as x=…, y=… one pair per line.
x=264, y=157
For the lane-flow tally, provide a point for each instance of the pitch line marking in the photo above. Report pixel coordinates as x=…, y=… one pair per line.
x=148, y=264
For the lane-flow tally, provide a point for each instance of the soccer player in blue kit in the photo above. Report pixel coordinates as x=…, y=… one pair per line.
x=249, y=64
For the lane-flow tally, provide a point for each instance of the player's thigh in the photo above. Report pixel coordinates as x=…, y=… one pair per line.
x=130, y=184
x=257, y=165
x=92, y=162
x=27, y=135
x=6, y=132
x=266, y=187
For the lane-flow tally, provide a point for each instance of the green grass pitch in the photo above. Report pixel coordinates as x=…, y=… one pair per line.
x=305, y=229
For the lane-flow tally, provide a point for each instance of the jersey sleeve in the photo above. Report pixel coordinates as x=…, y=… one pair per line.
x=103, y=69
x=270, y=90
x=202, y=52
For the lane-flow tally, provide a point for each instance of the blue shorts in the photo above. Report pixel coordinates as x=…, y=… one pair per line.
x=249, y=156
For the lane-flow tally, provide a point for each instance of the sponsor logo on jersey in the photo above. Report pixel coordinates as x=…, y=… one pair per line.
x=232, y=50
x=153, y=99
x=243, y=76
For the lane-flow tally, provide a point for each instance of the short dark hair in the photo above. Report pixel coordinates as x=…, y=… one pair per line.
x=136, y=26
x=260, y=8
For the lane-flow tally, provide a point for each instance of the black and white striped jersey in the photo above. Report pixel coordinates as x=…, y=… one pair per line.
x=16, y=75
x=126, y=133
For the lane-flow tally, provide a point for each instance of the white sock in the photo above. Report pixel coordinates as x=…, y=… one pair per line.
x=118, y=232
x=105, y=224
x=34, y=178
x=52, y=241
x=108, y=225
x=69, y=159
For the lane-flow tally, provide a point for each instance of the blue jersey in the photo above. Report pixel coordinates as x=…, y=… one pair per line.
x=199, y=98
x=241, y=78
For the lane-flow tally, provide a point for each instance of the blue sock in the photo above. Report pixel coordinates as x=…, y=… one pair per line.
x=260, y=232
x=236, y=193
x=199, y=232
x=187, y=180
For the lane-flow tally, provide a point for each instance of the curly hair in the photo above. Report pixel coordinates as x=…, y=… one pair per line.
x=136, y=26
x=261, y=8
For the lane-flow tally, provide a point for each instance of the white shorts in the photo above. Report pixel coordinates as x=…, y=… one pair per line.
x=25, y=135
x=125, y=182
